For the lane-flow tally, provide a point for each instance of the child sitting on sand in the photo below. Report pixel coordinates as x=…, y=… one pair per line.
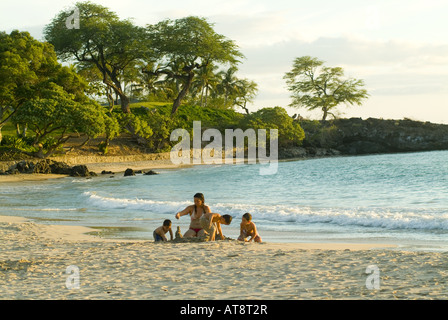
x=211, y=223
x=159, y=233
x=248, y=229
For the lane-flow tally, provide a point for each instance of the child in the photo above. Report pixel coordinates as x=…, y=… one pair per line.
x=248, y=229
x=159, y=233
x=211, y=223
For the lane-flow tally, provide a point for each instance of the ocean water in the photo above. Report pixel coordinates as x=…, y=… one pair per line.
x=392, y=198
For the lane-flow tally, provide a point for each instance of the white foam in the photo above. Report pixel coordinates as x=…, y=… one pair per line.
x=375, y=218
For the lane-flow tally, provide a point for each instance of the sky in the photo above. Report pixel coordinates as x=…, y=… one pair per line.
x=399, y=48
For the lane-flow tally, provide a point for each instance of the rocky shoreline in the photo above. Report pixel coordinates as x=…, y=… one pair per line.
x=355, y=136
x=338, y=137
x=49, y=166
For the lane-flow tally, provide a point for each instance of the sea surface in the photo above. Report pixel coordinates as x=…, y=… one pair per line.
x=393, y=198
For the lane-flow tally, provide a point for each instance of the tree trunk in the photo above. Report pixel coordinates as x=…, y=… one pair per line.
x=2, y=122
x=110, y=99
x=182, y=93
x=325, y=110
x=202, y=97
x=245, y=108
x=39, y=153
x=125, y=104
x=21, y=133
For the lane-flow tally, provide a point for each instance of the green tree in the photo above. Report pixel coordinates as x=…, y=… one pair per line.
x=104, y=41
x=206, y=82
x=229, y=83
x=236, y=91
x=54, y=114
x=191, y=44
x=289, y=132
x=245, y=92
x=25, y=64
x=315, y=86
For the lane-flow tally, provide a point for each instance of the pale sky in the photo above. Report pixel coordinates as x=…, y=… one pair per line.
x=399, y=48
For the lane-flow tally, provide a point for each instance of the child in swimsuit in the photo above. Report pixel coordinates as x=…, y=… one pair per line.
x=211, y=223
x=159, y=233
x=248, y=229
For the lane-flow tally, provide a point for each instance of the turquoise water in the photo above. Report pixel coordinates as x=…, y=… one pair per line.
x=393, y=198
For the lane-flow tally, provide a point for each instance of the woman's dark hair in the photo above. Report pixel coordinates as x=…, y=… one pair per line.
x=247, y=216
x=200, y=196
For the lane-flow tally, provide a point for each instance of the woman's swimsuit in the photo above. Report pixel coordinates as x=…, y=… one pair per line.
x=196, y=230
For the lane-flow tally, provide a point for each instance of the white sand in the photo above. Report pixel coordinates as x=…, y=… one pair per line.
x=34, y=259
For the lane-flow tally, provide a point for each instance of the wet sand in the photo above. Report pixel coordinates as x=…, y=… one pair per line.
x=34, y=259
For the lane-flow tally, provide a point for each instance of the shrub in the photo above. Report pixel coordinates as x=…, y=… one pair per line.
x=290, y=132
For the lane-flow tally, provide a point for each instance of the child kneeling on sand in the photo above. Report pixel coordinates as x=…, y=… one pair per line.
x=211, y=223
x=159, y=233
x=248, y=229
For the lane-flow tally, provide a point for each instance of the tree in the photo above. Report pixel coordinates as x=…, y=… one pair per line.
x=54, y=114
x=229, y=83
x=103, y=40
x=315, y=86
x=24, y=64
x=206, y=82
x=246, y=92
x=290, y=133
x=191, y=44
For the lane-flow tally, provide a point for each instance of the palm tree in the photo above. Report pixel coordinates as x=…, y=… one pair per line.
x=229, y=83
x=206, y=82
x=246, y=91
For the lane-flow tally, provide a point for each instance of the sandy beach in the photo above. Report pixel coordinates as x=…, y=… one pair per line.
x=34, y=259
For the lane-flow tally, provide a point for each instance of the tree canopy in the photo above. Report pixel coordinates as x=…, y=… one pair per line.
x=103, y=41
x=57, y=111
x=40, y=94
x=182, y=60
x=187, y=45
x=25, y=64
x=314, y=86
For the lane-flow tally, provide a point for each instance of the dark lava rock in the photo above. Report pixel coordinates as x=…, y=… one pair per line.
x=151, y=173
x=129, y=172
x=81, y=171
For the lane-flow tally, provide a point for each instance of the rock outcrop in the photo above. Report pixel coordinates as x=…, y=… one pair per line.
x=48, y=166
x=371, y=136
x=356, y=136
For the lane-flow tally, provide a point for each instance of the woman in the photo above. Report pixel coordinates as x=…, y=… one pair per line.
x=195, y=211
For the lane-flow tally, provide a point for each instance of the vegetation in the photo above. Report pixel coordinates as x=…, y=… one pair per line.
x=42, y=96
x=315, y=86
x=105, y=42
x=142, y=83
x=186, y=49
